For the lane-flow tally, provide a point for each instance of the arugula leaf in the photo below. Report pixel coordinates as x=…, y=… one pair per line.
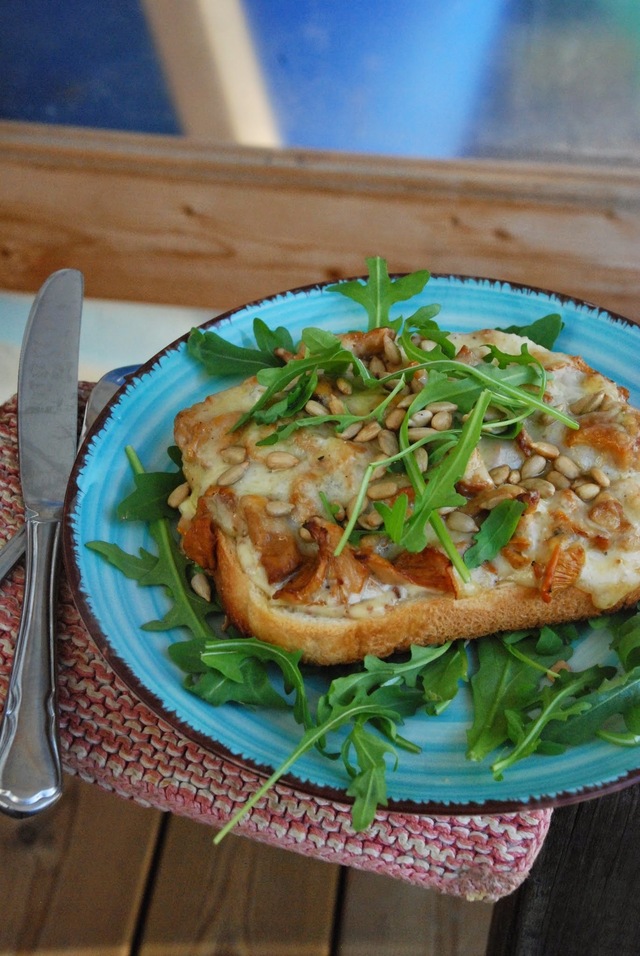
x=254, y=689
x=402, y=675
x=363, y=706
x=614, y=696
x=291, y=402
x=169, y=570
x=543, y=331
x=149, y=500
x=134, y=566
x=394, y=516
x=320, y=341
x=423, y=322
x=379, y=292
x=504, y=359
x=368, y=786
x=268, y=340
x=496, y=531
x=383, y=693
x=222, y=358
x=334, y=359
x=440, y=491
x=501, y=683
x=549, y=641
x=225, y=654
x=187, y=655
x=558, y=702
x=626, y=640
x=441, y=681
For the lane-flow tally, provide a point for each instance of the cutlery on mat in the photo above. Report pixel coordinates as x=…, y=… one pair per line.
x=102, y=392
x=30, y=771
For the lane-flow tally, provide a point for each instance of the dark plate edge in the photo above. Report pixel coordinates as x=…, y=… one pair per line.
x=121, y=669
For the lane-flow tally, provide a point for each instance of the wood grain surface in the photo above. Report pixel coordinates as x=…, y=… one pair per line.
x=73, y=879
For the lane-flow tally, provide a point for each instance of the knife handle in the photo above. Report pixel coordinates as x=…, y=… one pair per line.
x=30, y=769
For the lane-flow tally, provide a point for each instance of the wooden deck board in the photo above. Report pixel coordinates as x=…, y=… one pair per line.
x=72, y=879
x=383, y=915
x=239, y=897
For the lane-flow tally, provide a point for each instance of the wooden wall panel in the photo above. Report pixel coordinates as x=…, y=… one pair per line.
x=174, y=221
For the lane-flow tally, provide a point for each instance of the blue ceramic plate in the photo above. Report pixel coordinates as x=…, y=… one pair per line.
x=437, y=779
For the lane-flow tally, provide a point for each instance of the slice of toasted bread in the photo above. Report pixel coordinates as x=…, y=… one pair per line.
x=267, y=521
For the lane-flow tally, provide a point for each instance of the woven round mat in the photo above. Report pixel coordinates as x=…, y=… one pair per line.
x=110, y=738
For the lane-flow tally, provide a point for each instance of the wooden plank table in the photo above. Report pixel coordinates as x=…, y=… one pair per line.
x=102, y=876
x=160, y=220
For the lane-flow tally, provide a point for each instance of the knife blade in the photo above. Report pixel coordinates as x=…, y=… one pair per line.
x=30, y=770
x=13, y=549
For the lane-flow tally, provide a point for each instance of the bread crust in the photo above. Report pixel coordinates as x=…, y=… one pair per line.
x=419, y=621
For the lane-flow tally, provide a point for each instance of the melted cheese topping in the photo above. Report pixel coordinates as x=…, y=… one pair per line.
x=565, y=536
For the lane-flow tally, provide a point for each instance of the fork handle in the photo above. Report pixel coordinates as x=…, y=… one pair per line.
x=30, y=768
x=11, y=552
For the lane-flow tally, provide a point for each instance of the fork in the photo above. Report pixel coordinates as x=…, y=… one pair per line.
x=102, y=392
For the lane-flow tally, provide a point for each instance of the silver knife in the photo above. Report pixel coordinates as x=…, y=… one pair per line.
x=103, y=391
x=30, y=770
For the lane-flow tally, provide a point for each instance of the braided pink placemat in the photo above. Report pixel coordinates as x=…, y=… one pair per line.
x=110, y=738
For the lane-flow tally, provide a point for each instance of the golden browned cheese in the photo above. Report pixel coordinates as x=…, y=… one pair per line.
x=265, y=521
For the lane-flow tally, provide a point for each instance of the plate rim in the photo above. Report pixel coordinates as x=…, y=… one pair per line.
x=135, y=684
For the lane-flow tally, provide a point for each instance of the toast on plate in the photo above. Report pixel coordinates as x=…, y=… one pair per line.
x=370, y=518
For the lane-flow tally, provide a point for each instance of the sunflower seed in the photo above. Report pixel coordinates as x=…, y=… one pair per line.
x=500, y=474
x=315, y=408
x=544, y=488
x=200, y=585
x=566, y=466
x=233, y=454
x=442, y=421
x=178, y=495
x=388, y=442
x=458, y=521
x=556, y=478
x=368, y=431
x=391, y=351
x=281, y=461
x=588, y=490
x=350, y=431
x=422, y=458
x=600, y=477
x=381, y=489
x=335, y=405
x=377, y=367
x=415, y=434
x=545, y=448
x=534, y=466
x=394, y=419
x=423, y=417
x=277, y=509
x=233, y=474
x=588, y=403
